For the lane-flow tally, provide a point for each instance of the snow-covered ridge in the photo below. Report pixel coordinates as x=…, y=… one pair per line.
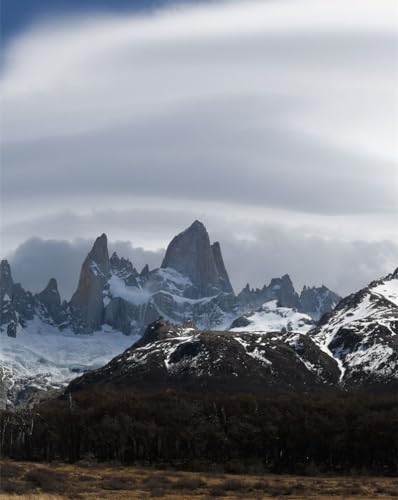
x=273, y=318
x=388, y=289
x=361, y=333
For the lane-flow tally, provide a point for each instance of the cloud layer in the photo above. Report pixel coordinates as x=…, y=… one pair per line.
x=275, y=122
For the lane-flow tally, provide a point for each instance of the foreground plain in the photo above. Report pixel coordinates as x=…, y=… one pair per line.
x=24, y=480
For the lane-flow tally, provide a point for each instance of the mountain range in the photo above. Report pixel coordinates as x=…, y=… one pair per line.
x=270, y=336
x=353, y=347
x=191, y=283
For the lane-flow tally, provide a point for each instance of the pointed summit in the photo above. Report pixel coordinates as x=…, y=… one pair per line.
x=191, y=254
x=7, y=307
x=227, y=287
x=197, y=226
x=145, y=270
x=99, y=253
x=87, y=301
x=6, y=281
x=50, y=293
x=51, y=301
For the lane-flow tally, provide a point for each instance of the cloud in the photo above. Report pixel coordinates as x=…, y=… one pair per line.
x=272, y=121
x=343, y=266
x=245, y=101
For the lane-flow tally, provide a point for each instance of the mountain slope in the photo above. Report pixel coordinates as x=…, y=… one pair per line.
x=362, y=333
x=183, y=357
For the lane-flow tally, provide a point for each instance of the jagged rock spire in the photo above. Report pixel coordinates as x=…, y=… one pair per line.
x=191, y=254
x=87, y=301
x=99, y=254
x=51, y=300
x=6, y=281
x=145, y=270
x=7, y=308
x=227, y=287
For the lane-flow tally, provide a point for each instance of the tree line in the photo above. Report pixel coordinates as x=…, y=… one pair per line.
x=290, y=433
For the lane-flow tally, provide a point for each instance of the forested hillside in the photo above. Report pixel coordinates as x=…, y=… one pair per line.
x=287, y=433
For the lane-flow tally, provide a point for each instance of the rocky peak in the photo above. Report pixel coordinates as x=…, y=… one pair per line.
x=50, y=294
x=122, y=267
x=87, y=301
x=114, y=260
x=6, y=281
x=227, y=287
x=282, y=290
x=145, y=270
x=50, y=300
x=191, y=254
x=52, y=287
x=99, y=255
x=317, y=301
x=7, y=308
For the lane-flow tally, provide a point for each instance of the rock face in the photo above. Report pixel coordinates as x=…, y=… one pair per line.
x=279, y=289
x=7, y=311
x=19, y=306
x=6, y=281
x=362, y=334
x=87, y=302
x=50, y=302
x=16, y=305
x=314, y=301
x=221, y=270
x=191, y=254
x=182, y=357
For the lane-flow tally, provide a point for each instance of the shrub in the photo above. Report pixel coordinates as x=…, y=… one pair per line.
x=117, y=483
x=49, y=481
x=189, y=483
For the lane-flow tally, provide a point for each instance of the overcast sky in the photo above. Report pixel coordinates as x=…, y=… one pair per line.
x=274, y=122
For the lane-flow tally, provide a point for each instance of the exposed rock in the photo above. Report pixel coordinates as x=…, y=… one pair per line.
x=50, y=301
x=282, y=290
x=145, y=270
x=6, y=281
x=191, y=254
x=7, y=308
x=316, y=301
x=120, y=315
x=222, y=272
x=12, y=329
x=123, y=268
x=87, y=302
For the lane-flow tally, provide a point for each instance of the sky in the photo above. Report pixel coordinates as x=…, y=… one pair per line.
x=273, y=122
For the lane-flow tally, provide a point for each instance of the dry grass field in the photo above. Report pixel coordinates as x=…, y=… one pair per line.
x=58, y=481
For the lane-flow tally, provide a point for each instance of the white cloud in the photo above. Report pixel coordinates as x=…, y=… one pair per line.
x=247, y=113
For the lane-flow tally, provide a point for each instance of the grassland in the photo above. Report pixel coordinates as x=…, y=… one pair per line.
x=25, y=480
